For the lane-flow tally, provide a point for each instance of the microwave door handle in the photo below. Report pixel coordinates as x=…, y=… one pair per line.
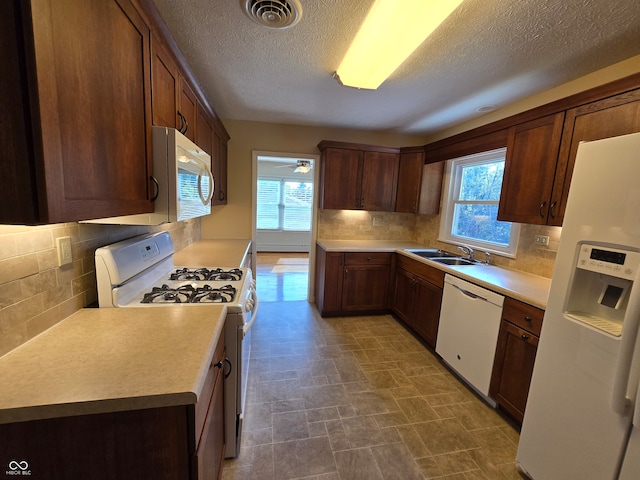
x=207, y=199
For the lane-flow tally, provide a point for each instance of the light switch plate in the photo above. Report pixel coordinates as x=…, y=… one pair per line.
x=63, y=245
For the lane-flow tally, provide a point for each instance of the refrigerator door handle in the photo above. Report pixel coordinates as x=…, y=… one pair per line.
x=620, y=402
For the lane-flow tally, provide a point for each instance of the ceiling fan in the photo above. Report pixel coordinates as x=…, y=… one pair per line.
x=301, y=166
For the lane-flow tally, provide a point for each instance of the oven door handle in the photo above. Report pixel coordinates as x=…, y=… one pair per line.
x=221, y=363
x=254, y=313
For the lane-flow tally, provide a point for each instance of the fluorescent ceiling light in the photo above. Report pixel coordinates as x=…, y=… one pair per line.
x=391, y=32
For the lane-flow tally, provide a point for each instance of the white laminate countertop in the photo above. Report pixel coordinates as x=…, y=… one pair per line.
x=528, y=288
x=213, y=253
x=111, y=359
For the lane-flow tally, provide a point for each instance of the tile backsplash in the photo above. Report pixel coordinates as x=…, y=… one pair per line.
x=424, y=229
x=35, y=293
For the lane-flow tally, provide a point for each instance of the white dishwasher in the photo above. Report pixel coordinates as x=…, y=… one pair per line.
x=468, y=331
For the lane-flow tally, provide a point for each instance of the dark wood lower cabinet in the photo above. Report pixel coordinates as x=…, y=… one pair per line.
x=417, y=297
x=515, y=356
x=365, y=287
x=141, y=444
x=183, y=442
x=351, y=283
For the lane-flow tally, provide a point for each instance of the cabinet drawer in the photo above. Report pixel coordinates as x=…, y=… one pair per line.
x=207, y=389
x=430, y=274
x=523, y=315
x=368, y=258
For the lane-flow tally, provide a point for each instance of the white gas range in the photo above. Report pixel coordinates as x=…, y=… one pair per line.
x=140, y=273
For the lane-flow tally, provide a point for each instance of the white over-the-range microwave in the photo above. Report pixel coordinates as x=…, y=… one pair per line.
x=183, y=179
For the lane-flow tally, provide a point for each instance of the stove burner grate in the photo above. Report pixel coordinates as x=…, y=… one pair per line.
x=190, y=294
x=202, y=274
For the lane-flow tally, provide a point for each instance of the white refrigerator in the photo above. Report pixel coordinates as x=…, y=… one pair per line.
x=582, y=419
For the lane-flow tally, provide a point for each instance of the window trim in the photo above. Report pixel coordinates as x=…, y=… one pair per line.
x=451, y=185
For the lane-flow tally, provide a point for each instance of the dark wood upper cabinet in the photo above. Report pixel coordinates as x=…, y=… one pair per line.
x=379, y=181
x=419, y=185
x=187, y=110
x=80, y=143
x=541, y=155
x=204, y=130
x=165, y=81
x=220, y=140
x=530, y=169
x=358, y=177
x=610, y=117
x=84, y=83
x=341, y=169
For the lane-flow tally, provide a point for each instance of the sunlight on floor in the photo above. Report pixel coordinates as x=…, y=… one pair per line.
x=282, y=276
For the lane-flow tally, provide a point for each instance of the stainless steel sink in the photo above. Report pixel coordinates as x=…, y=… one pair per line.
x=453, y=261
x=431, y=253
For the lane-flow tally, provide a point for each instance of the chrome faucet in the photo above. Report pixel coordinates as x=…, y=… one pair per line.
x=468, y=252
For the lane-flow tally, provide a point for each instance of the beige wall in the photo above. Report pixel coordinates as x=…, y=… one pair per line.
x=35, y=293
x=234, y=219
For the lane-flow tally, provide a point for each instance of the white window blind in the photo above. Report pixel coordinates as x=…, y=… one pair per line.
x=284, y=204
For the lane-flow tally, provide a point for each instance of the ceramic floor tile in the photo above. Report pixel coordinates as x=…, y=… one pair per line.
x=357, y=464
x=359, y=397
x=395, y=462
x=445, y=436
x=302, y=458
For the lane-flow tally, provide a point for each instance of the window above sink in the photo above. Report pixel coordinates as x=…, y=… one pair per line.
x=471, y=195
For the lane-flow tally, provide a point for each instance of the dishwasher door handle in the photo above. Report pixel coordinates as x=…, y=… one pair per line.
x=468, y=293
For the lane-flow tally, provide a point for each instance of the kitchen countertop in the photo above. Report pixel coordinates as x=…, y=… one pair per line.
x=366, y=245
x=528, y=288
x=213, y=253
x=111, y=359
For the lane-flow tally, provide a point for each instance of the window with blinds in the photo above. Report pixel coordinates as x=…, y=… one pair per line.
x=284, y=204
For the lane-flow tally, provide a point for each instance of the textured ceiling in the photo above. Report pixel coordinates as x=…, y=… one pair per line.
x=486, y=52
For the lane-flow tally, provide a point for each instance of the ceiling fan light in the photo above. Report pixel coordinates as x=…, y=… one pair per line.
x=392, y=30
x=302, y=168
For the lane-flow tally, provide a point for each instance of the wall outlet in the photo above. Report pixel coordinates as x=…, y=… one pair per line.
x=377, y=221
x=63, y=245
x=542, y=240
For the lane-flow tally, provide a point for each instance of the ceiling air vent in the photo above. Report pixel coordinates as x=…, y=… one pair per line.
x=273, y=13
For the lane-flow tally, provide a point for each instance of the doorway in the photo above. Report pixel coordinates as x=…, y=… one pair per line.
x=284, y=224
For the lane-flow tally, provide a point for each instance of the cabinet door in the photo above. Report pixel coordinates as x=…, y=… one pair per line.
x=204, y=132
x=187, y=111
x=431, y=188
x=220, y=167
x=210, y=454
x=365, y=287
x=404, y=296
x=94, y=124
x=610, y=117
x=512, y=368
x=409, y=182
x=164, y=94
x=379, y=181
x=341, y=174
x=530, y=166
x=332, y=282
x=428, y=300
